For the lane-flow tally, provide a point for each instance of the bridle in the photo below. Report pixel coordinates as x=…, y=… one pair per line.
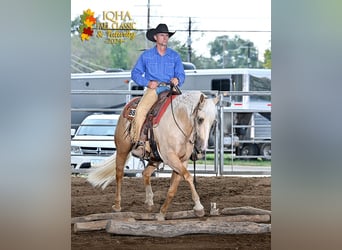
x=192, y=141
x=194, y=128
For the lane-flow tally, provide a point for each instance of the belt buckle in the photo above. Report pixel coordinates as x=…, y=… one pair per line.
x=163, y=84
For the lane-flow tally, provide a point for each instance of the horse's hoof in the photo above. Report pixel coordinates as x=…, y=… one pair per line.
x=116, y=209
x=160, y=217
x=199, y=213
x=149, y=208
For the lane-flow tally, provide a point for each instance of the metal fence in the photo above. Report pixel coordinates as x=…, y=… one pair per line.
x=227, y=157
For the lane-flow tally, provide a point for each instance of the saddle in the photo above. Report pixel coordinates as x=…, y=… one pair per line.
x=152, y=119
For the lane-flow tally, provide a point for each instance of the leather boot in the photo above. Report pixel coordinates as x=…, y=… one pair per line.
x=149, y=98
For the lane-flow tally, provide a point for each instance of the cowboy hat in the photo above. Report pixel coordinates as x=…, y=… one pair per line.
x=161, y=28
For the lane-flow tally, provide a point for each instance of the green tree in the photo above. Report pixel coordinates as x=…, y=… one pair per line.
x=200, y=61
x=182, y=49
x=119, y=55
x=234, y=52
x=89, y=56
x=268, y=59
x=96, y=54
x=75, y=25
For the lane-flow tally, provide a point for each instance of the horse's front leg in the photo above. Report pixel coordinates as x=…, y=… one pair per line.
x=179, y=171
x=198, y=208
x=147, y=183
x=175, y=180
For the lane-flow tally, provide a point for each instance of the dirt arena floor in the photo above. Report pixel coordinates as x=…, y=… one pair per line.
x=225, y=191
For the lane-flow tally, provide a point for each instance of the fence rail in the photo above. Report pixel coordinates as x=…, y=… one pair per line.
x=227, y=158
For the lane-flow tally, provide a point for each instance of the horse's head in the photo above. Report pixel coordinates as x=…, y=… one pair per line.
x=205, y=115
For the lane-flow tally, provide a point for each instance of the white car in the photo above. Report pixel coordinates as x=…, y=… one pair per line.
x=94, y=142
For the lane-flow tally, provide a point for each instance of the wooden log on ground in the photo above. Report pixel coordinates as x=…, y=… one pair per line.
x=137, y=216
x=101, y=224
x=169, y=216
x=258, y=218
x=116, y=215
x=95, y=225
x=244, y=211
x=180, y=215
x=90, y=226
x=177, y=228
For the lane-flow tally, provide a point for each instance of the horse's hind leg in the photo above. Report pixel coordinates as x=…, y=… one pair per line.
x=123, y=148
x=147, y=183
x=120, y=164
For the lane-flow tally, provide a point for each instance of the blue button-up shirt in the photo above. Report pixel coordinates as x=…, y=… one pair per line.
x=152, y=66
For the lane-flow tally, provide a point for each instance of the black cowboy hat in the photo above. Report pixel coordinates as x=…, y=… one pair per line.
x=161, y=28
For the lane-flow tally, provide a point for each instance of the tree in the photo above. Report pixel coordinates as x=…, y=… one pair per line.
x=182, y=49
x=268, y=59
x=74, y=25
x=95, y=54
x=234, y=53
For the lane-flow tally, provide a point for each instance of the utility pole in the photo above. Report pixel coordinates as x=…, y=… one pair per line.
x=148, y=14
x=148, y=17
x=189, y=41
x=249, y=55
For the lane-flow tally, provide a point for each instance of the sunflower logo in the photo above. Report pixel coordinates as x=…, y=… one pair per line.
x=86, y=25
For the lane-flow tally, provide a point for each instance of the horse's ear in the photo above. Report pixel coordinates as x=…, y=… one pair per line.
x=216, y=99
x=201, y=102
x=202, y=97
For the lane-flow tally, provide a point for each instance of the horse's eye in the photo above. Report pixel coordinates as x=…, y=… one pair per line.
x=200, y=120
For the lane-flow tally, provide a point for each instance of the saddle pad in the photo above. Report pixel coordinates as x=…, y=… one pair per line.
x=156, y=112
x=129, y=109
x=162, y=109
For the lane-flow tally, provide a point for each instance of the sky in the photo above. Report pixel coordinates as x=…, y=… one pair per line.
x=249, y=19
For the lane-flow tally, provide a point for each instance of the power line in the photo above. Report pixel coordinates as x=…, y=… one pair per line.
x=226, y=31
x=76, y=69
x=89, y=63
x=207, y=31
x=82, y=65
x=206, y=18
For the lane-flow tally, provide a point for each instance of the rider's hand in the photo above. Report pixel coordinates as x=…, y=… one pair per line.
x=174, y=81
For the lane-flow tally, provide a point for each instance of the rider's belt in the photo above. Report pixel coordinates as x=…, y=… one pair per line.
x=163, y=84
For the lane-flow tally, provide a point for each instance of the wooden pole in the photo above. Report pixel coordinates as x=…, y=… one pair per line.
x=177, y=228
x=244, y=210
x=242, y=219
x=137, y=216
x=101, y=224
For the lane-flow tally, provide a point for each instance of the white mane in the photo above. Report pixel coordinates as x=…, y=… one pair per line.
x=188, y=100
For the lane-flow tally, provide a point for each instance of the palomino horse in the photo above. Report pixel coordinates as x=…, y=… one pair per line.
x=185, y=124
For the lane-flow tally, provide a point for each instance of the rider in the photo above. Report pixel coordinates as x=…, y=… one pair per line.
x=155, y=69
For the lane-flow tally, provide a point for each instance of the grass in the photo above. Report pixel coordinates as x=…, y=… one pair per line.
x=228, y=161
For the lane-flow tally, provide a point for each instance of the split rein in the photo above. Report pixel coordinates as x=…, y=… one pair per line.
x=175, y=90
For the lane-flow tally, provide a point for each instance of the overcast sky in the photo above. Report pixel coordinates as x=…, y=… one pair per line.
x=250, y=19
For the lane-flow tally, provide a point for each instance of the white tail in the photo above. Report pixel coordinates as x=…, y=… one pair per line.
x=104, y=173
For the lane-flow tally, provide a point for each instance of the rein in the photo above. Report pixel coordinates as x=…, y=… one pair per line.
x=195, y=151
x=195, y=124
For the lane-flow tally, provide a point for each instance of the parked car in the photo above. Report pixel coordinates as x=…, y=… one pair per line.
x=93, y=142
